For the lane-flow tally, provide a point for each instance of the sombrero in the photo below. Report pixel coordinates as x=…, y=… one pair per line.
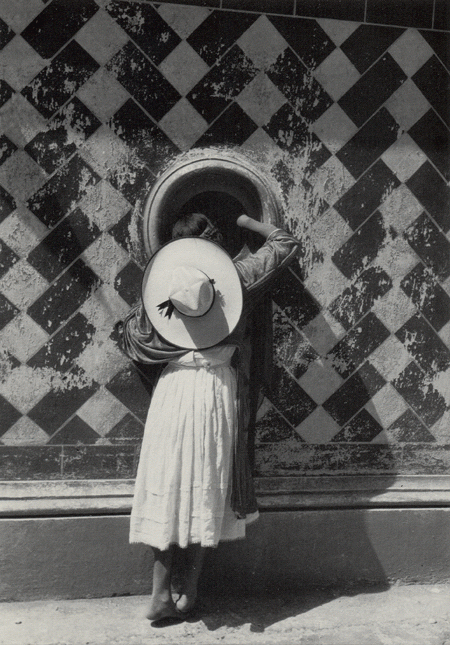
x=192, y=293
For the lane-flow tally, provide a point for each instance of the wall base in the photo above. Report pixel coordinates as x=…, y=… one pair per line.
x=80, y=557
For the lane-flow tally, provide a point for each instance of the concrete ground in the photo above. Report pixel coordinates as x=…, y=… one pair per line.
x=401, y=615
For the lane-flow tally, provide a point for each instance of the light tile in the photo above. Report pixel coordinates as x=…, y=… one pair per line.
x=326, y=282
x=390, y=358
x=404, y=157
x=440, y=430
x=320, y=381
x=446, y=286
x=22, y=231
x=394, y=309
x=407, y=105
x=330, y=232
x=101, y=37
x=20, y=121
x=107, y=154
x=102, y=412
x=319, y=427
x=18, y=14
x=397, y=258
x=183, y=125
x=338, y=30
x=336, y=74
x=386, y=405
x=23, y=337
x=22, y=285
x=101, y=360
x=183, y=68
x=261, y=99
x=104, y=206
x=410, y=51
x=444, y=334
x=262, y=43
x=331, y=180
x=400, y=209
x=334, y=128
x=21, y=176
x=103, y=309
x=25, y=387
x=105, y=257
x=25, y=433
x=19, y=63
x=323, y=332
x=261, y=147
x=183, y=20
x=103, y=94
x=382, y=437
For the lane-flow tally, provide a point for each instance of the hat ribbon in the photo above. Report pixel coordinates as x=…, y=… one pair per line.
x=170, y=307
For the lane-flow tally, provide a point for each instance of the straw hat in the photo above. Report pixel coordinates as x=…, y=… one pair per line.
x=192, y=293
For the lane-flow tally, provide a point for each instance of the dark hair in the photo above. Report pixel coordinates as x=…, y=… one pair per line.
x=196, y=225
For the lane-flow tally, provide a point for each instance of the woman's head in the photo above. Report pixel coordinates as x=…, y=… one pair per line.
x=196, y=225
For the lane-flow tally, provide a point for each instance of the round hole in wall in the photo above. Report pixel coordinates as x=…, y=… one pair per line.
x=221, y=184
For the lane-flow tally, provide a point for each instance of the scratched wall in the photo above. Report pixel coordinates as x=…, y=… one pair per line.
x=343, y=105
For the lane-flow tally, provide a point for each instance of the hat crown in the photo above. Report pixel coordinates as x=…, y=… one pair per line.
x=191, y=291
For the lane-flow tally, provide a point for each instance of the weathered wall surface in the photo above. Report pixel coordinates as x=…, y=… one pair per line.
x=347, y=116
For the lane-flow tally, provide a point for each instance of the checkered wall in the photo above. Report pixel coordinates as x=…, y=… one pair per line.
x=349, y=116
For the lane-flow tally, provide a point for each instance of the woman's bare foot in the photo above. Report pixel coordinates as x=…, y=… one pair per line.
x=186, y=602
x=160, y=608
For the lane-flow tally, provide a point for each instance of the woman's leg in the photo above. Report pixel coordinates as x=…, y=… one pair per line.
x=195, y=555
x=162, y=604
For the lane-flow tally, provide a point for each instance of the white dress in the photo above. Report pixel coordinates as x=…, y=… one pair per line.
x=182, y=486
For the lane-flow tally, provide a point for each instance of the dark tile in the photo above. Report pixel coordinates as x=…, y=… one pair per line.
x=75, y=431
x=407, y=13
x=363, y=427
x=369, y=93
x=419, y=393
x=128, y=283
x=133, y=389
x=218, y=32
x=62, y=192
x=335, y=9
x=222, y=84
x=427, y=295
x=409, y=429
x=343, y=404
x=143, y=81
x=362, y=247
x=424, y=345
x=128, y=431
x=294, y=299
x=232, y=128
x=6, y=92
x=348, y=354
x=306, y=37
x=56, y=407
x=433, y=80
x=358, y=299
x=134, y=184
x=369, y=143
x=8, y=414
x=430, y=245
x=46, y=92
x=200, y=3
x=367, y=43
x=302, y=90
x=56, y=24
x=145, y=26
x=434, y=138
x=440, y=42
x=289, y=398
x=63, y=244
x=98, y=462
x=426, y=459
x=433, y=193
x=67, y=130
x=367, y=194
x=7, y=148
x=7, y=258
x=292, y=350
x=30, y=462
x=441, y=15
x=7, y=311
x=65, y=346
x=6, y=34
x=121, y=231
x=149, y=142
x=261, y=6
x=64, y=297
x=7, y=204
x=272, y=428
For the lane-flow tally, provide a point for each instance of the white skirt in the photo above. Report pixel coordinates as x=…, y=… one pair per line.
x=182, y=487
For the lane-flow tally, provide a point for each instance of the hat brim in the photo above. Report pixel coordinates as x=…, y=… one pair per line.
x=185, y=331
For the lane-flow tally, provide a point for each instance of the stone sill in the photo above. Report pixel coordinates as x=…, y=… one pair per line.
x=73, y=497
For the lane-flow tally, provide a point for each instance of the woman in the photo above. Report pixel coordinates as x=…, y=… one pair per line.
x=193, y=486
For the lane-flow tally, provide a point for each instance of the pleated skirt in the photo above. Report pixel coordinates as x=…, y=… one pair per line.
x=182, y=491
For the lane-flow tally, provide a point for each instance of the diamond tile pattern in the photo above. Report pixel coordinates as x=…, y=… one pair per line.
x=350, y=118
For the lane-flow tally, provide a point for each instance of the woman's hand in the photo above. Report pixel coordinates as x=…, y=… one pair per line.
x=242, y=220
